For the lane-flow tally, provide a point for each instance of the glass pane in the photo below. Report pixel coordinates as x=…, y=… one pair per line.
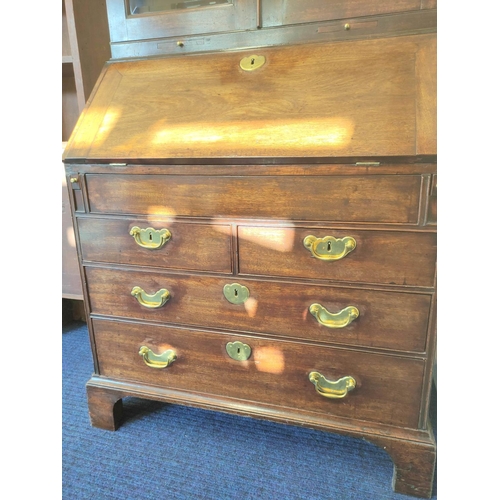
x=145, y=6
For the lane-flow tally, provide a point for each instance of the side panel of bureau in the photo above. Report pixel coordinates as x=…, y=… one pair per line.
x=375, y=198
x=387, y=388
x=388, y=320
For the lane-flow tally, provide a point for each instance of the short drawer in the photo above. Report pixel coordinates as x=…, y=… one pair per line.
x=385, y=257
x=390, y=320
x=277, y=373
x=154, y=243
x=371, y=198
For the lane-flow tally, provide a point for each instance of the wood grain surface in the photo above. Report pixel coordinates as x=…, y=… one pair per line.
x=387, y=390
x=317, y=100
x=388, y=320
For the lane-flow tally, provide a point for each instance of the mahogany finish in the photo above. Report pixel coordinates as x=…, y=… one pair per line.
x=382, y=257
x=373, y=111
x=388, y=198
x=387, y=319
x=389, y=386
x=240, y=167
x=192, y=246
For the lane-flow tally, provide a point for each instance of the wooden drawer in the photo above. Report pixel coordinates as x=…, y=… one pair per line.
x=373, y=198
x=386, y=319
x=387, y=257
x=388, y=388
x=191, y=246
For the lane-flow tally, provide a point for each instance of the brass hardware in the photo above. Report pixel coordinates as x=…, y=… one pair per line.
x=334, y=320
x=73, y=180
x=238, y=350
x=149, y=237
x=236, y=293
x=180, y=44
x=347, y=26
x=154, y=301
x=367, y=163
x=251, y=63
x=329, y=247
x=329, y=389
x=157, y=360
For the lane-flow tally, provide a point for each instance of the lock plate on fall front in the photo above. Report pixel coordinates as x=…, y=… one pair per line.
x=238, y=350
x=236, y=293
x=252, y=62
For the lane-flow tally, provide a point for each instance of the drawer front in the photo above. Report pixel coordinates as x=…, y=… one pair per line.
x=386, y=319
x=189, y=246
x=374, y=198
x=386, y=257
x=388, y=388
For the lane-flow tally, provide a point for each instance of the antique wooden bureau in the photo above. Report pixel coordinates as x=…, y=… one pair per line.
x=256, y=233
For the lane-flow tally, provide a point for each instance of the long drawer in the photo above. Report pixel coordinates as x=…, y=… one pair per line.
x=373, y=198
x=387, y=388
x=385, y=319
x=201, y=247
x=386, y=257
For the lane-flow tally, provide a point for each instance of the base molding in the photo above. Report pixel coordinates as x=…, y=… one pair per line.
x=413, y=452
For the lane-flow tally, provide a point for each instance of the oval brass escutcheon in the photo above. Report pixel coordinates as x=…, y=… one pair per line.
x=153, y=301
x=157, y=360
x=332, y=389
x=150, y=238
x=238, y=350
x=252, y=62
x=340, y=319
x=236, y=293
x=329, y=247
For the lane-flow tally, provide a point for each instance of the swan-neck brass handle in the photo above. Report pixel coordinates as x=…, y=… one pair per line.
x=334, y=320
x=157, y=360
x=332, y=389
x=329, y=247
x=150, y=238
x=154, y=301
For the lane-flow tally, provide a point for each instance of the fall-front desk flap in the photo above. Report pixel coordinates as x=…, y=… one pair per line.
x=321, y=100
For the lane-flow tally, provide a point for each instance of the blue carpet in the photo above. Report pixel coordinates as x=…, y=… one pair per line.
x=169, y=451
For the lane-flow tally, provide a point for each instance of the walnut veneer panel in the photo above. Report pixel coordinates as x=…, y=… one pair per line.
x=353, y=98
x=388, y=257
x=376, y=198
x=387, y=319
x=191, y=246
x=387, y=389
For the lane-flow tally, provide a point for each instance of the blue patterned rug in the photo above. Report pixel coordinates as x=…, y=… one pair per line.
x=168, y=451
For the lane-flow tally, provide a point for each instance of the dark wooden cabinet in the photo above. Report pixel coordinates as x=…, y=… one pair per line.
x=265, y=218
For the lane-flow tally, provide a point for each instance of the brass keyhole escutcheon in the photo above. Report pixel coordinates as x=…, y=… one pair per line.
x=238, y=350
x=236, y=293
x=252, y=62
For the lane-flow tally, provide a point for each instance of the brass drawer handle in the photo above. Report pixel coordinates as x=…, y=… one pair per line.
x=157, y=360
x=150, y=238
x=154, y=301
x=330, y=389
x=334, y=320
x=329, y=247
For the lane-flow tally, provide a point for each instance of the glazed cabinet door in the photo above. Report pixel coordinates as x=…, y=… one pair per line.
x=145, y=19
x=286, y=12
